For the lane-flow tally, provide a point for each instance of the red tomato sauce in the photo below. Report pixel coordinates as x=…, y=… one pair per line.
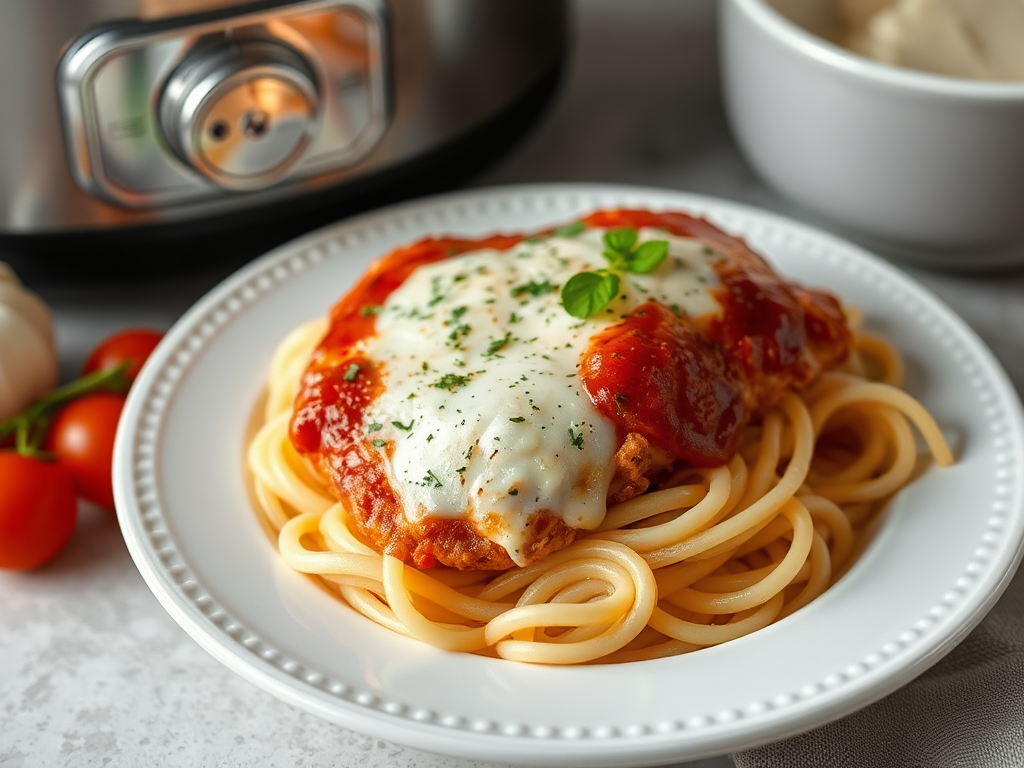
x=655, y=375
x=690, y=385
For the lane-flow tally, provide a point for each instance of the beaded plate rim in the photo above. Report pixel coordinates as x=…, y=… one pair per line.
x=926, y=638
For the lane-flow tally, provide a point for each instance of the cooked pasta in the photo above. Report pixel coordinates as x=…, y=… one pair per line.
x=712, y=555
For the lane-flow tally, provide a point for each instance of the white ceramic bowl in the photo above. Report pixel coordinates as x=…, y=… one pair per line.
x=910, y=157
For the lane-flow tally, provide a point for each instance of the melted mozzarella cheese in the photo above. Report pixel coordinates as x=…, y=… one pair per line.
x=483, y=417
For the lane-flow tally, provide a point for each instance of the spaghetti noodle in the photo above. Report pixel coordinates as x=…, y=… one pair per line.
x=712, y=554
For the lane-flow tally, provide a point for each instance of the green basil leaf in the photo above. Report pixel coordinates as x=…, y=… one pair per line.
x=647, y=257
x=622, y=239
x=570, y=230
x=587, y=293
x=615, y=259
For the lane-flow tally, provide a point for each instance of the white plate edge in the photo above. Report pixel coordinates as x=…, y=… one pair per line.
x=198, y=624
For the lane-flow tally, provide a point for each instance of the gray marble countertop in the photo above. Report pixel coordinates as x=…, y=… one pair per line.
x=93, y=672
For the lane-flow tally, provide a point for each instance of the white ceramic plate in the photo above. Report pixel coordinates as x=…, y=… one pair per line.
x=948, y=548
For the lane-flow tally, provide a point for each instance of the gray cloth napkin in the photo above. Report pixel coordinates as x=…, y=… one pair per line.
x=966, y=711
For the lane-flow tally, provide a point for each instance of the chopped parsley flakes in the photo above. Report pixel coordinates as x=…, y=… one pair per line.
x=570, y=230
x=451, y=382
x=533, y=288
x=497, y=345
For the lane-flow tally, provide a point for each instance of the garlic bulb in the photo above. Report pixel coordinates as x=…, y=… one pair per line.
x=28, y=360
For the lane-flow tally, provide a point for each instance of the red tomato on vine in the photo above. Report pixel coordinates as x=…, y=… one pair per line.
x=38, y=510
x=81, y=437
x=61, y=448
x=132, y=346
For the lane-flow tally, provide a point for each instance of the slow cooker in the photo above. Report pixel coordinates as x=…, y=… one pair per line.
x=135, y=130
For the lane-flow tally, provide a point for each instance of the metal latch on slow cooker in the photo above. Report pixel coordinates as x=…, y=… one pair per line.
x=179, y=114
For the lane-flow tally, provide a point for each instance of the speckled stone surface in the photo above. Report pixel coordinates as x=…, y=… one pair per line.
x=93, y=672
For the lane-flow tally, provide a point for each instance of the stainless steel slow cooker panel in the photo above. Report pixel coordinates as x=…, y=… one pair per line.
x=90, y=146
x=168, y=114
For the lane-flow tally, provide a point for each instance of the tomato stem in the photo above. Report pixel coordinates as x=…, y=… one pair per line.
x=29, y=427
